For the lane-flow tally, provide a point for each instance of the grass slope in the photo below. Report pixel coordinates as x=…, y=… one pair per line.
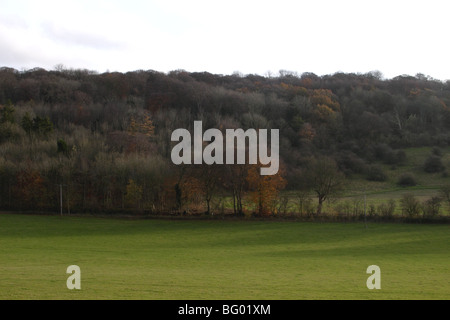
x=160, y=259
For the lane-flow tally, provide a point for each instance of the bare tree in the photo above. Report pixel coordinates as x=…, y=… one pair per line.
x=323, y=177
x=235, y=181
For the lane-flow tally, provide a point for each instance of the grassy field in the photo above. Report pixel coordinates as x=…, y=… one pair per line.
x=219, y=259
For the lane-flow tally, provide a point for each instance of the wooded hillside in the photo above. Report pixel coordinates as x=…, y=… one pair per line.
x=105, y=138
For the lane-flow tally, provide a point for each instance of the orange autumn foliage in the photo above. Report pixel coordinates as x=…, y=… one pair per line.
x=325, y=97
x=264, y=190
x=30, y=188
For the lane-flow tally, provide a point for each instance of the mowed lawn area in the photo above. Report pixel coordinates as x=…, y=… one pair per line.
x=220, y=259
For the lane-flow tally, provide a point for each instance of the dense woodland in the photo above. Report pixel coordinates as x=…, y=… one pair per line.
x=105, y=139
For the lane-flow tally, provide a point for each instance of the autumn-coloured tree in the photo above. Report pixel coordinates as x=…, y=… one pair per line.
x=30, y=189
x=293, y=90
x=264, y=190
x=142, y=126
x=307, y=132
x=139, y=132
x=181, y=190
x=192, y=193
x=325, y=97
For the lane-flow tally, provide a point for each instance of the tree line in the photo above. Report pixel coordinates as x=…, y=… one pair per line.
x=105, y=138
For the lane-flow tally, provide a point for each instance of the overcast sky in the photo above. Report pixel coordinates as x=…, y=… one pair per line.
x=322, y=36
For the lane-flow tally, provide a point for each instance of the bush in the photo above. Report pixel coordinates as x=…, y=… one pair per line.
x=407, y=180
x=372, y=211
x=395, y=157
x=436, y=151
x=376, y=173
x=381, y=151
x=433, y=164
x=410, y=205
x=387, y=209
x=445, y=193
x=350, y=163
x=431, y=206
x=386, y=154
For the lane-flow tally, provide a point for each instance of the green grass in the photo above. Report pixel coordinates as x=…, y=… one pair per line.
x=219, y=259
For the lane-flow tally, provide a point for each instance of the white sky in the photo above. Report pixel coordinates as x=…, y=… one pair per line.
x=320, y=36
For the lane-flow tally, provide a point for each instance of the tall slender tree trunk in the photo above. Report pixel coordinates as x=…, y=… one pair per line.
x=208, y=206
x=319, y=207
x=234, y=201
